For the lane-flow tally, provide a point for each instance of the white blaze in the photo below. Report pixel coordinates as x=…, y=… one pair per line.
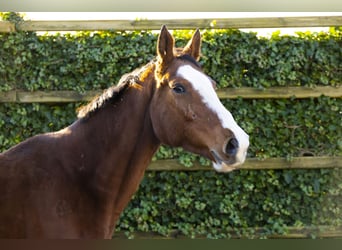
x=201, y=83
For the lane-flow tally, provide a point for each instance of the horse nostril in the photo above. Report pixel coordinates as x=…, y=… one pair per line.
x=232, y=146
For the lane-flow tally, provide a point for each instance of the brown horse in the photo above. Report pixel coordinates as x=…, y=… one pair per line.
x=74, y=183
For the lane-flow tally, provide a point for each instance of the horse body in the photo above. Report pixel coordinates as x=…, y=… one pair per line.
x=56, y=197
x=74, y=183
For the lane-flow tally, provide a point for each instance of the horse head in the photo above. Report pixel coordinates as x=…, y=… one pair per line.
x=186, y=111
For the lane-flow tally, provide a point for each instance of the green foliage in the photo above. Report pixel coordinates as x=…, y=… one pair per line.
x=290, y=127
x=11, y=16
x=200, y=203
x=20, y=121
x=71, y=62
x=213, y=205
x=237, y=59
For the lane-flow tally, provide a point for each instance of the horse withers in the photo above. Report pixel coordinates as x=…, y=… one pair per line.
x=74, y=183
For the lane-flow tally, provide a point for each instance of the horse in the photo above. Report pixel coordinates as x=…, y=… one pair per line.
x=74, y=183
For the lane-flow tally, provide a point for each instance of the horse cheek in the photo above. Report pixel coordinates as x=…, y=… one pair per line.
x=158, y=114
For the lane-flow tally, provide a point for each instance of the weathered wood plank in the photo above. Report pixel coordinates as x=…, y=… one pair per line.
x=281, y=22
x=280, y=92
x=6, y=26
x=8, y=96
x=219, y=23
x=54, y=96
x=294, y=163
x=256, y=164
x=224, y=93
x=292, y=233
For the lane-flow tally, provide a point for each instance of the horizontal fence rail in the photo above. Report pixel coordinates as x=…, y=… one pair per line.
x=257, y=164
x=219, y=23
x=61, y=96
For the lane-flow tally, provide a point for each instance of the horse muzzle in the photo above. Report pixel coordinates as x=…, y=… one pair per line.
x=232, y=156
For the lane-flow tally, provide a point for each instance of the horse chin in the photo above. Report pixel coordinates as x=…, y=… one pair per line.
x=224, y=167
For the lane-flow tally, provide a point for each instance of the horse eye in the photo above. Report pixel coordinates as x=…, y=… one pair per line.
x=178, y=88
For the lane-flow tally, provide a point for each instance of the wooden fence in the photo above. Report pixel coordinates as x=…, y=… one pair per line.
x=219, y=23
x=17, y=96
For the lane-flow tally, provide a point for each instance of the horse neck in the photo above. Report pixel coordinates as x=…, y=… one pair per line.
x=121, y=143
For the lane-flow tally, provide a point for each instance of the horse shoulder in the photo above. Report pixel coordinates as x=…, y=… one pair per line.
x=29, y=161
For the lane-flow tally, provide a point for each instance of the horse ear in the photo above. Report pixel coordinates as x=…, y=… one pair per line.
x=193, y=48
x=165, y=46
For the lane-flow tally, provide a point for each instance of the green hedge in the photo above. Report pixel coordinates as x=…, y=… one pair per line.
x=200, y=203
x=208, y=204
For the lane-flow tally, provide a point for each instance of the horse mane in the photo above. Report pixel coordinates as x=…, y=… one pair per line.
x=112, y=94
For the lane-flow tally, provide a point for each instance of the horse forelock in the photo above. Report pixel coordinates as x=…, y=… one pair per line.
x=189, y=59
